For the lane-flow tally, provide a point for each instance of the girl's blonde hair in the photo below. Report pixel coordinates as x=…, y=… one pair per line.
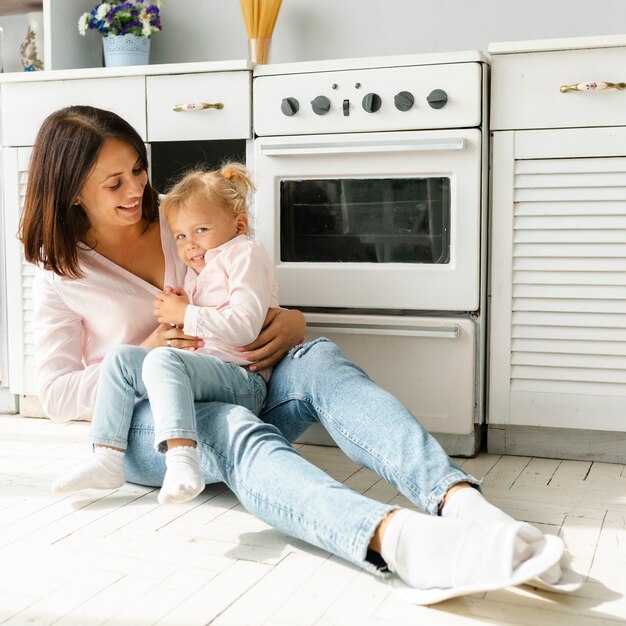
x=229, y=187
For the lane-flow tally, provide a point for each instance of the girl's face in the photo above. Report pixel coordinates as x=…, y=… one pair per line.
x=113, y=191
x=199, y=226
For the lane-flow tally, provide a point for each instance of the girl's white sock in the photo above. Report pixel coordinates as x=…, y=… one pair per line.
x=470, y=504
x=428, y=552
x=183, y=478
x=105, y=470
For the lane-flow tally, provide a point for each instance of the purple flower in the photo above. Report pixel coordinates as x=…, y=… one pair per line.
x=129, y=26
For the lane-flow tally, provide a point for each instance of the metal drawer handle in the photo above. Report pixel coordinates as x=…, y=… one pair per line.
x=592, y=86
x=443, y=332
x=196, y=106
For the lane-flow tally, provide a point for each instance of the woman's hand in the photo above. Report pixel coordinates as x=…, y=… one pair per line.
x=172, y=337
x=281, y=331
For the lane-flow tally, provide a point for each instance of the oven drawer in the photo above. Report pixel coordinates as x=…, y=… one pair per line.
x=24, y=108
x=428, y=363
x=526, y=89
x=231, y=90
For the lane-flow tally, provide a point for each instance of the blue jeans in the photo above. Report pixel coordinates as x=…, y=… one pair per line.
x=314, y=383
x=173, y=380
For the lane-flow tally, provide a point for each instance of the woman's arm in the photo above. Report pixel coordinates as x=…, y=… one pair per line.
x=67, y=388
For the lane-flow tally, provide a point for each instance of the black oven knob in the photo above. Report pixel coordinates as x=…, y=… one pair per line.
x=404, y=100
x=437, y=99
x=289, y=106
x=371, y=102
x=321, y=105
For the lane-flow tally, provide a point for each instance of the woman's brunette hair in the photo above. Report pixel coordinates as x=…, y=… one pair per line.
x=64, y=154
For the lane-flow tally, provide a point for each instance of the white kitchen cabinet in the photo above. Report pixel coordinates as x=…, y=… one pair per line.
x=149, y=94
x=557, y=331
x=19, y=277
x=229, y=93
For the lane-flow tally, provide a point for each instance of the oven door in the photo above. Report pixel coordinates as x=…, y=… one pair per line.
x=373, y=220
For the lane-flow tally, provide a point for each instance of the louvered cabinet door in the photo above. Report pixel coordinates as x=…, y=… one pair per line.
x=557, y=355
x=19, y=277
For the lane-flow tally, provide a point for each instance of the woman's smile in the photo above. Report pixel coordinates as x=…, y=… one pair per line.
x=113, y=192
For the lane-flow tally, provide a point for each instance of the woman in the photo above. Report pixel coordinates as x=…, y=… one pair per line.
x=92, y=222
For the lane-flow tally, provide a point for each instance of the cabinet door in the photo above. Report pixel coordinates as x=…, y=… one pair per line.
x=231, y=91
x=19, y=276
x=558, y=279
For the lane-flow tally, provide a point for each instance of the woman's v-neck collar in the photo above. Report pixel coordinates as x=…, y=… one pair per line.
x=168, y=256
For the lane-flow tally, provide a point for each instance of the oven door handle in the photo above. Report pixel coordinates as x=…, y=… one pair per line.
x=354, y=147
x=443, y=332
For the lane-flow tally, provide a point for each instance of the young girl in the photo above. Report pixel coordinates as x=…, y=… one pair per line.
x=228, y=289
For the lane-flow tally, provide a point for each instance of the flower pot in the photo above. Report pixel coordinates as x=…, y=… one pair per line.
x=125, y=50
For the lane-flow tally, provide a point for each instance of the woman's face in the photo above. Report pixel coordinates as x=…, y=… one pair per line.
x=113, y=191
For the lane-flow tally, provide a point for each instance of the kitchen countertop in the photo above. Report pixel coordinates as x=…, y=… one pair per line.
x=334, y=65
x=549, y=45
x=132, y=70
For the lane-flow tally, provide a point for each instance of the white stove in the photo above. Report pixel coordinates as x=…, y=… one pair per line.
x=371, y=187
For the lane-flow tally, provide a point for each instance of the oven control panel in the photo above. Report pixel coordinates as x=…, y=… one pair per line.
x=369, y=100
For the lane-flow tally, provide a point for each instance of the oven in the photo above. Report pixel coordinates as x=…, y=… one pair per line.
x=370, y=180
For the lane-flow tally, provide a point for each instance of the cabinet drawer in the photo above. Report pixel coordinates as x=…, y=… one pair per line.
x=232, y=121
x=26, y=105
x=525, y=89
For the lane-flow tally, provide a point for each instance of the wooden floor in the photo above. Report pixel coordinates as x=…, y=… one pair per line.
x=121, y=558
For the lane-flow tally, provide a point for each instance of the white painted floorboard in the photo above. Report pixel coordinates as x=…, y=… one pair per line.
x=120, y=558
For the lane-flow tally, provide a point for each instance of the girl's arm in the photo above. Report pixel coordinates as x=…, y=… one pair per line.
x=251, y=290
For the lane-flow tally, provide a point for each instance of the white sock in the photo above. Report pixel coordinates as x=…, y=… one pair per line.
x=105, y=470
x=470, y=504
x=427, y=551
x=183, y=478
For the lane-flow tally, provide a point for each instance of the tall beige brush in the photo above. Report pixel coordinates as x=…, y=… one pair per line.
x=260, y=17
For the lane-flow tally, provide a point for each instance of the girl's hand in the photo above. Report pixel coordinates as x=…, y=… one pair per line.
x=281, y=331
x=171, y=336
x=170, y=305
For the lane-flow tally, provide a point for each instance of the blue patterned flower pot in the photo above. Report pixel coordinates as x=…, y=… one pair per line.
x=125, y=50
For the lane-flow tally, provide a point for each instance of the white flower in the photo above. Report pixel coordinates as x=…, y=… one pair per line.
x=103, y=9
x=83, y=23
x=146, y=28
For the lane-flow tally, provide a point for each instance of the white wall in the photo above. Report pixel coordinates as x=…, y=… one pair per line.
x=14, y=31
x=326, y=29
x=213, y=30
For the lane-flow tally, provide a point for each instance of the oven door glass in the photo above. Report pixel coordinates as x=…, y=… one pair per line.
x=369, y=220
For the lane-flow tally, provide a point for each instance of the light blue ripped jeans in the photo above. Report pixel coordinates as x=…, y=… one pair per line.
x=253, y=456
